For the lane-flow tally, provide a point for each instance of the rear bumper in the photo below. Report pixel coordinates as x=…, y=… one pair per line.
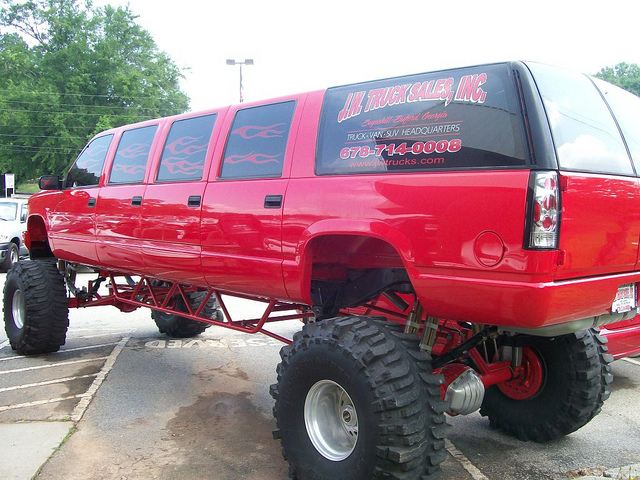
x=624, y=338
x=521, y=306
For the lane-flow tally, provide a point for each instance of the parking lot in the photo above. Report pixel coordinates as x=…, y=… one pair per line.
x=126, y=402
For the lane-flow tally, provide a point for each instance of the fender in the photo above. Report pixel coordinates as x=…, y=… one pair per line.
x=298, y=270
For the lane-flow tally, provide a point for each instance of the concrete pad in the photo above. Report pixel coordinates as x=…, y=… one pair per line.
x=25, y=447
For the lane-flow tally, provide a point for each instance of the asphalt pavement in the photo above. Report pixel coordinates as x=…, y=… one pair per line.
x=121, y=401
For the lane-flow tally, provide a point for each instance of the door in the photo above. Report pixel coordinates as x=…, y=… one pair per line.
x=242, y=206
x=118, y=208
x=72, y=219
x=171, y=208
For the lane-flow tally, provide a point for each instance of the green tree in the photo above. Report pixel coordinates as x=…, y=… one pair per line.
x=68, y=71
x=624, y=75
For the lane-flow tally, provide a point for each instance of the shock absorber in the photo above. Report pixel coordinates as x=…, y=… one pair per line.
x=429, y=326
x=429, y=334
x=414, y=319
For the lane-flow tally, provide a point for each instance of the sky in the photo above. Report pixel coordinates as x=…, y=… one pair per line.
x=299, y=46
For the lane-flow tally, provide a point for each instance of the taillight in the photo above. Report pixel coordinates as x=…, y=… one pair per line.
x=544, y=221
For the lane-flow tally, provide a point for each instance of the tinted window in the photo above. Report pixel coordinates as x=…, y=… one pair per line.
x=626, y=109
x=258, y=141
x=186, y=149
x=585, y=134
x=88, y=166
x=457, y=119
x=132, y=154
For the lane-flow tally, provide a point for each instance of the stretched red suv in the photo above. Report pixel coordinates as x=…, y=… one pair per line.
x=452, y=241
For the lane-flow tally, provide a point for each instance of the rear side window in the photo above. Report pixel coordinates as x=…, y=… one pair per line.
x=585, y=135
x=86, y=170
x=458, y=119
x=626, y=109
x=185, y=150
x=257, y=142
x=131, y=157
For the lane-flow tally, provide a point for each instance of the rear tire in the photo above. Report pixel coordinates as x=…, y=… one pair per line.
x=355, y=400
x=36, y=312
x=573, y=383
x=180, y=327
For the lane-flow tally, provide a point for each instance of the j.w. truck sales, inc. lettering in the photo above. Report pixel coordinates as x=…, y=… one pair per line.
x=469, y=90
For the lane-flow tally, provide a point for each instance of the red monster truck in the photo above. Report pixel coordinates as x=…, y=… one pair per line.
x=451, y=240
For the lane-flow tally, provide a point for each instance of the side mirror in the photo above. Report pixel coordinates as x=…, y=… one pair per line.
x=50, y=182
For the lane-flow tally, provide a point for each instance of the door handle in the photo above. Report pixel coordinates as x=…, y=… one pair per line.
x=136, y=201
x=194, y=201
x=91, y=203
x=273, y=201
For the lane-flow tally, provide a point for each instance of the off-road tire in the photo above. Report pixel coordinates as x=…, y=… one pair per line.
x=36, y=312
x=396, y=398
x=576, y=378
x=180, y=327
x=11, y=257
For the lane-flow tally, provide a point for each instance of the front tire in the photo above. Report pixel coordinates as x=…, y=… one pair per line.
x=36, y=313
x=564, y=386
x=355, y=400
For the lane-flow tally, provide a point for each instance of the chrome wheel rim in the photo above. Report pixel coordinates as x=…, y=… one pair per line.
x=331, y=420
x=14, y=256
x=18, y=309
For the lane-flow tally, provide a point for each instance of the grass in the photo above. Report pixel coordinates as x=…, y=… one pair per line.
x=28, y=187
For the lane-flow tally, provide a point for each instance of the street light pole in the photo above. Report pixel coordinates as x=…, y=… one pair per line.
x=247, y=61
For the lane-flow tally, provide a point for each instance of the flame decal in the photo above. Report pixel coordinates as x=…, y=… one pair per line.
x=185, y=146
x=182, y=149
x=89, y=164
x=180, y=166
x=135, y=150
x=92, y=158
x=130, y=169
x=255, y=158
x=251, y=131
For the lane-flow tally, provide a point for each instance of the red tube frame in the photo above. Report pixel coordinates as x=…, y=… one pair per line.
x=127, y=297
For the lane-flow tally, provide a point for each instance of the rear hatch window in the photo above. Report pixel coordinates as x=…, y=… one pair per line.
x=626, y=108
x=585, y=134
x=456, y=119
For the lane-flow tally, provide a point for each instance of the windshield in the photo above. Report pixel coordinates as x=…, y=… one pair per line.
x=8, y=211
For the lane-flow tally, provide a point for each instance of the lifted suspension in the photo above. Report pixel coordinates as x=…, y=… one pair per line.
x=128, y=294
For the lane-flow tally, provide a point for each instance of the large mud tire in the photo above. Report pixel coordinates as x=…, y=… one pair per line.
x=180, y=327
x=36, y=312
x=574, y=385
x=356, y=400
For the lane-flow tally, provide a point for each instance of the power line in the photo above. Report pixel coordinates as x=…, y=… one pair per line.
x=37, y=136
x=86, y=95
x=42, y=126
x=85, y=105
x=74, y=113
x=38, y=149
